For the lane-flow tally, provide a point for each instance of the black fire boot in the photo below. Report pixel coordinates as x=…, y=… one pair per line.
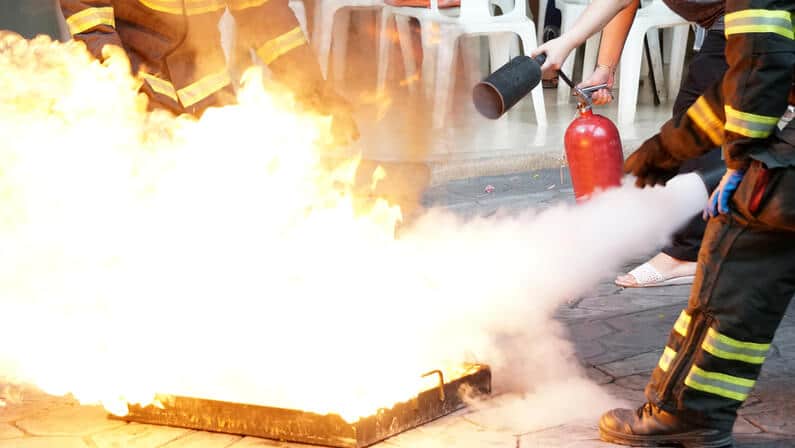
x=652, y=426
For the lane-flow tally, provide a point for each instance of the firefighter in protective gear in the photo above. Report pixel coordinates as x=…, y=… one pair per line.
x=746, y=266
x=175, y=47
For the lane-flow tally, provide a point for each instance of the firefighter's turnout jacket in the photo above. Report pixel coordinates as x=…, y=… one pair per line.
x=746, y=269
x=175, y=45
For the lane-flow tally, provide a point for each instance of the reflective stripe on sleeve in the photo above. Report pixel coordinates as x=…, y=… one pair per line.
x=715, y=383
x=237, y=5
x=88, y=18
x=681, y=324
x=667, y=357
x=748, y=124
x=278, y=46
x=703, y=116
x=759, y=21
x=160, y=86
x=192, y=7
x=203, y=88
x=724, y=347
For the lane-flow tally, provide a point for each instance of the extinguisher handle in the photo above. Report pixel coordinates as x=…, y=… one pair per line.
x=585, y=95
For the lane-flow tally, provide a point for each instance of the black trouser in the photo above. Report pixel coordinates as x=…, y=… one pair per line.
x=706, y=68
x=744, y=282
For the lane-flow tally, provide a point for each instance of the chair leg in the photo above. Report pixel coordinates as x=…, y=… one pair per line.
x=445, y=78
x=300, y=14
x=569, y=15
x=500, y=49
x=324, y=28
x=339, y=43
x=431, y=40
x=529, y=42
x=631, y=60
x=678, y=50
x=591, y=55
x=655, y=53
x=407, y=50
x=384, y=45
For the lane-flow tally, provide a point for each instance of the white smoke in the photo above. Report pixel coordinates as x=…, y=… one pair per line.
x=141, y=253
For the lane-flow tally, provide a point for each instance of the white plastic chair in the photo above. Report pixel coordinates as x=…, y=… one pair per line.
x=570, y=11
x=440, y=30
x=654, y=16
x=332, y=17
x=300, y=13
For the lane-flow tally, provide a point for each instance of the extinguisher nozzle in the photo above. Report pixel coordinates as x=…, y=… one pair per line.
x=488, y=100
x=505, y=87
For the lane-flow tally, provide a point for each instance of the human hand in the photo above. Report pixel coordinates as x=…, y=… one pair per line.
x=651, y=164
x=601, y=75
x=718, y=202
x=556, y=50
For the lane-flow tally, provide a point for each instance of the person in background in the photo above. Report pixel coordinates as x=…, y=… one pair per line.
x=676, y=262
x=175, y=47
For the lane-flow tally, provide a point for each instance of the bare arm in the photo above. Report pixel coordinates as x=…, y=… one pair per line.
x=613, y=37
x=594, y=18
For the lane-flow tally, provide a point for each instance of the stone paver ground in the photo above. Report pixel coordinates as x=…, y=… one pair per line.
x=618, y=335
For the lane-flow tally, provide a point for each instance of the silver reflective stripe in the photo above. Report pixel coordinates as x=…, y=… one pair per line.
x=727, y=386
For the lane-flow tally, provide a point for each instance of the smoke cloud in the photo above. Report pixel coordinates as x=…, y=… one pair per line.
x=141, y=253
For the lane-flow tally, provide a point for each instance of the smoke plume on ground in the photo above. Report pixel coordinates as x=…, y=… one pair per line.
x=220, y=258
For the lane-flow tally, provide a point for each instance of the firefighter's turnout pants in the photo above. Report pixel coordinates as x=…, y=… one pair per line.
x=744, y=283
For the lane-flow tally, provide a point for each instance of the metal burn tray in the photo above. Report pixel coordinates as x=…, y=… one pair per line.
x=292, y=425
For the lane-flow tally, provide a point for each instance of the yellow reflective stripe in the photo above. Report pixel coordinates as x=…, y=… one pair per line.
x=278, y=46
x=702, y=115
x=243, y=4
x=88, y=18
x=192, y=7
x=667, y=357
x=203, y=88
x=724, y=347
x=681, y=324
x=748, y=124
x=160, y=86
x=727, y=386
x=759, y=21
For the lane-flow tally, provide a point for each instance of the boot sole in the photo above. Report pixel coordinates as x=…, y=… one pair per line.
x=687, y=440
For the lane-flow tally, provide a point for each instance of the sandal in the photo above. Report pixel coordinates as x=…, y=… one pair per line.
x=647, y=276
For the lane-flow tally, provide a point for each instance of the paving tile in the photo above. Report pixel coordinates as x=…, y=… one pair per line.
x=75, y=420
x=598, y=376
x=457, y=432
x=256, y=442
x=583, y=434
x=634, y=382
x=642, y=363
x=44, y=442
x=201, y=439
x=743, y=426
x=134, y=435
x=9, y=432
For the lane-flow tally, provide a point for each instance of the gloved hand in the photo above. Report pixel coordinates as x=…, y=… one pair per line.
x=651, y=164
x=718, y=202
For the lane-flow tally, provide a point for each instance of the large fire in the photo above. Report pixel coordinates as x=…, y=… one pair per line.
x=221, y=258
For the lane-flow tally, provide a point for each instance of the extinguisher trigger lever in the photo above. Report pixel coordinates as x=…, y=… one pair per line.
x=586, y=93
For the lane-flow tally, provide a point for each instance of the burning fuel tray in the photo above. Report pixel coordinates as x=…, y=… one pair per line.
x=306, y=427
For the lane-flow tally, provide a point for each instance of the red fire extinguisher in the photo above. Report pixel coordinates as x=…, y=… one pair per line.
x=593, y=148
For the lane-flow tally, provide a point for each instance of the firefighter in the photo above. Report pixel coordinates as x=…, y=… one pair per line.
x=175, y=47
x=746, y=266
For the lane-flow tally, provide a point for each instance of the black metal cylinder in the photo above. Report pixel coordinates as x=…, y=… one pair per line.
x=510, y=83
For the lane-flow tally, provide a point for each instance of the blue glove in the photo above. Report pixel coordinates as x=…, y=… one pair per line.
x=718, y=203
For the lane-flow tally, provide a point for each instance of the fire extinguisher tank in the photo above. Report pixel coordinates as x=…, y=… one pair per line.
x=594, y=154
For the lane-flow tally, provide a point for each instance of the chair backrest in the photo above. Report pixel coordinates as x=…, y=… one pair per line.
x=480, y=10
